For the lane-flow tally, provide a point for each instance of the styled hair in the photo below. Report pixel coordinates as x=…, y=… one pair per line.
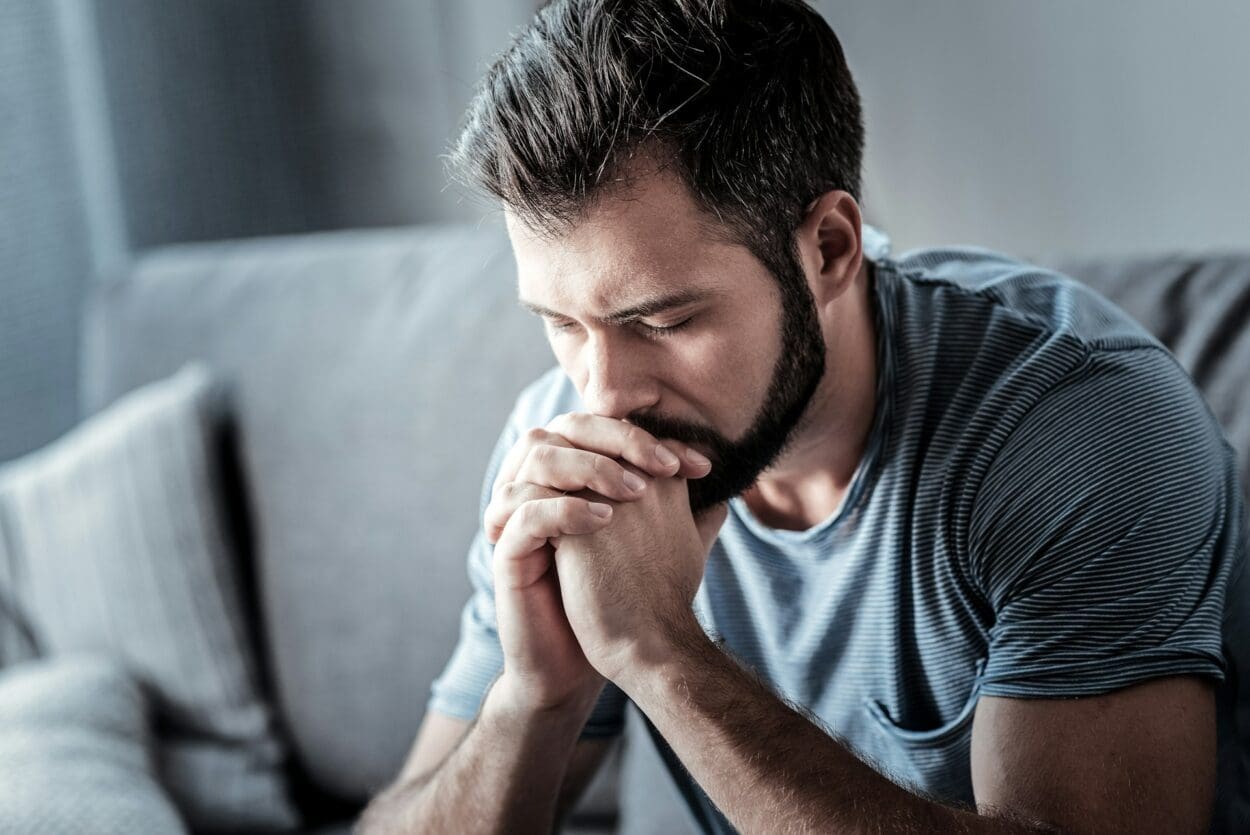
x=751, y=102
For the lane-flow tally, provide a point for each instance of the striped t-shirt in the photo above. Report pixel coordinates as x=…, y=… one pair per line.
x=1045, y=507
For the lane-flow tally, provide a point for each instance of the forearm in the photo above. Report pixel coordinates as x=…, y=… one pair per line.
x=765, y=765
x=504, y=776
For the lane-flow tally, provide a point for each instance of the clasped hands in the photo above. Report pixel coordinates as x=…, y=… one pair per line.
x=597, y=553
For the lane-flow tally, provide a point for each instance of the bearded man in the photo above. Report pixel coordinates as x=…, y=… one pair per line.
x=934, y=542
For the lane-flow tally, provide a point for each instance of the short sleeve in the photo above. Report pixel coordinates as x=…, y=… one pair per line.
x=1104, y=533
x=478, y=657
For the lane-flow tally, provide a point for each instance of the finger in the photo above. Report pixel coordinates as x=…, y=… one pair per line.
x=566, y=468
x=523, y=571
x=516, y=456
x=507, y=498
x=621, y=439
x=535, y=522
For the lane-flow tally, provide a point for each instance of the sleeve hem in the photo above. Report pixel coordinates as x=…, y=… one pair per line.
x=452, y=710
x=1092, y=678
x=592, y=730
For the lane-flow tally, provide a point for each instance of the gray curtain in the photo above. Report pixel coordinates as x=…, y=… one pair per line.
x=127, y=124
x=44, y=246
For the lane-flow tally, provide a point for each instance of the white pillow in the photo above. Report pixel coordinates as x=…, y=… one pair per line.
x=75, y=751
x=117, y=544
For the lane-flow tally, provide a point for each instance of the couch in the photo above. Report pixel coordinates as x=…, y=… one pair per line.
x=369, y=374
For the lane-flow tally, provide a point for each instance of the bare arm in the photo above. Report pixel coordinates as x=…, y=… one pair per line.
x=1141, y=759
x=1130, y=761
x=513, y=770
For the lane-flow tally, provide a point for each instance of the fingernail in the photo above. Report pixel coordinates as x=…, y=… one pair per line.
x=697, y=458
x=600, y=509
x=633, y=482
x=665, y=455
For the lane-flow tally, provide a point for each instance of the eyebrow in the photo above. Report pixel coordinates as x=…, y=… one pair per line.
x=646, y=307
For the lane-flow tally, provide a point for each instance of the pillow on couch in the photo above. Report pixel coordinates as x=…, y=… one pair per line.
x=74, y=751
x=117, y=542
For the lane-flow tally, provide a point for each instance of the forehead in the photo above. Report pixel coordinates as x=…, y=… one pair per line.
x=645, y=240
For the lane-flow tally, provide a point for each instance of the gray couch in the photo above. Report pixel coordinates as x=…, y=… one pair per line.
x=370, y=372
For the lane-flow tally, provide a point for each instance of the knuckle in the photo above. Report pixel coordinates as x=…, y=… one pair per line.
x=542, y=454
x=536, y=435
x=635, y=436
x=599, y=465
x=533, y=458
x=528, y=516
x=561, y=423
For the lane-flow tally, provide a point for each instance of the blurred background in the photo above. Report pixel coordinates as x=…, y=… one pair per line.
x=1067, y=127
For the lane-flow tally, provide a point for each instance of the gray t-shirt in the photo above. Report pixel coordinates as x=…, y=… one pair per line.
x=1046, y=507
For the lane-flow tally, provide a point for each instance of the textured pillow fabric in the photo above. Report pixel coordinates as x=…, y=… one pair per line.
x=117, y=543
x=74, y=752
x=370, y=372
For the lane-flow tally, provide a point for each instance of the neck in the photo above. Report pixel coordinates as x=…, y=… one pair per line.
x=811, y=479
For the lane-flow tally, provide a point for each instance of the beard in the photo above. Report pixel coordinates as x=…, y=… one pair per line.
x=737, y=465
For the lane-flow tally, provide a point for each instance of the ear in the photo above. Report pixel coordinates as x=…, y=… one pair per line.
x=830, y=243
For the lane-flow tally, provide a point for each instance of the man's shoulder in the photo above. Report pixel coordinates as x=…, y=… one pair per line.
x=551, y=394
x=957, y=287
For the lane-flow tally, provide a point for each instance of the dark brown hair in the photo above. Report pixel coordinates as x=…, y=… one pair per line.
x=751, y=101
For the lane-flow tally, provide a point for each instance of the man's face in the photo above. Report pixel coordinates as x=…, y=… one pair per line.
x=658, y=320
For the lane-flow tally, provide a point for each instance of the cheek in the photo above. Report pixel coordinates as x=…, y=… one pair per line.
x=726, y=374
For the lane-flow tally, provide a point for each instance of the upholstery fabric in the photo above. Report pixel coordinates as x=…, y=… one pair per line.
x=370, y=373
x=118, y=543
x=75, y=751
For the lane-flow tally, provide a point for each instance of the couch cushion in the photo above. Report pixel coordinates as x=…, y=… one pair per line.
x=118, y=547
x=371, y=373
x=75, y=751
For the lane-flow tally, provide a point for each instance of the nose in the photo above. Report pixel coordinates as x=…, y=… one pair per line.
x=617, y=380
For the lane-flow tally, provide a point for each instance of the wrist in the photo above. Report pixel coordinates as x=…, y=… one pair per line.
x=663, y=657
x=513, y=699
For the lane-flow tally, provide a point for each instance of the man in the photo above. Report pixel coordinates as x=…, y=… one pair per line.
x=934, y=543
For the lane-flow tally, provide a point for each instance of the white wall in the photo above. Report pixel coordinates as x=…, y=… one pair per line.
x=1095, y=127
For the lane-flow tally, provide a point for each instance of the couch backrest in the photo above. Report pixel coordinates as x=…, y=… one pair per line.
x=371, y=372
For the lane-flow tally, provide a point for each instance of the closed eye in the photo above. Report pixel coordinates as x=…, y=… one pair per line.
x=664, y=330
x=559, y=326
x=651, y=330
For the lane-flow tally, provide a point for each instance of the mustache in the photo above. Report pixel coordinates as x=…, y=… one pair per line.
x=680, y=430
